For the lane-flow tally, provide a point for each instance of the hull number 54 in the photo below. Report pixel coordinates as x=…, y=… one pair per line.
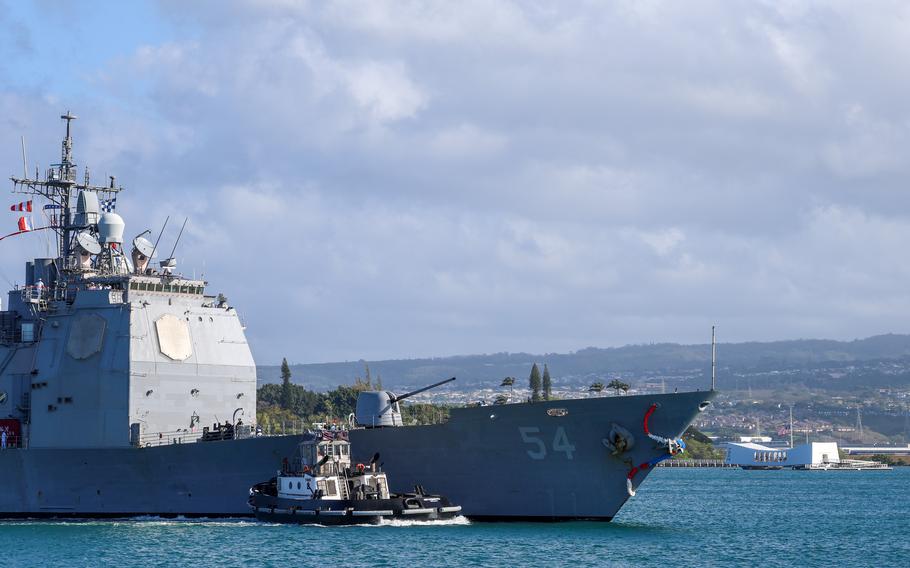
x=538, y=448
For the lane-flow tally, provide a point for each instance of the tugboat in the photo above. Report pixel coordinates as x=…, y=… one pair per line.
x=319, y=486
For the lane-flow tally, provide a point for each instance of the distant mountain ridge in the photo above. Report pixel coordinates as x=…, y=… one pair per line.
x=631, y=360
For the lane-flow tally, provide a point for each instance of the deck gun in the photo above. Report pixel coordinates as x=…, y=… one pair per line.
x=380, y=408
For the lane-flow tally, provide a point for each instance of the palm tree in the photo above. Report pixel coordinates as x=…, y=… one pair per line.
x=618, y=385
x=508, y=382
x=596, y=387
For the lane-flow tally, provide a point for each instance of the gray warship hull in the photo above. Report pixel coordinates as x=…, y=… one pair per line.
x=210, y=479
x=535, y=461
x=510, y=462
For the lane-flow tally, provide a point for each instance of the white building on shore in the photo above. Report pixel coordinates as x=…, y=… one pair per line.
x=814, y=455
x=757, y=456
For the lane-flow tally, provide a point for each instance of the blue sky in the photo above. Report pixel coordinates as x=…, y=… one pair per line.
x=67, y=44
x=384, y=179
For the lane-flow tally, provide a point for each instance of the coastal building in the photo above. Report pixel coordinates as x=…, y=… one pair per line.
x=878, y=450
x=759, y=456
x=814, y=455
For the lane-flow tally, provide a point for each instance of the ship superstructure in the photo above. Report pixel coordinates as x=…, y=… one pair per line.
x=109, y=361
x=100, y=349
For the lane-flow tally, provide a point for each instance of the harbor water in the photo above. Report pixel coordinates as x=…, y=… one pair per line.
x=684, y=517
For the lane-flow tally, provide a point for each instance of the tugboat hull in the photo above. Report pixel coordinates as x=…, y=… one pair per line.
x=351, y=512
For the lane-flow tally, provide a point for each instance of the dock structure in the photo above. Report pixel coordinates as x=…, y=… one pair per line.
x=695, y=463
x=877, y=450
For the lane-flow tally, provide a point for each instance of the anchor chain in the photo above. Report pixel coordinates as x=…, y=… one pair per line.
x=673, y=447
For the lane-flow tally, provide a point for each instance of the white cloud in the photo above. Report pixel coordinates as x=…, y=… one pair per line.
x=400, y=179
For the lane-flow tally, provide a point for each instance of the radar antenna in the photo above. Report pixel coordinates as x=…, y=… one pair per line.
x=180, y=234
x=169, y=264
x=59, y=186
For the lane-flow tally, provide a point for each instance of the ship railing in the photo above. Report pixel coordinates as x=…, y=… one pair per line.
x=287, y=428
x=32, y=294
x=189, y=436
x=168, y=438
x=14, y=443
x=59, y=174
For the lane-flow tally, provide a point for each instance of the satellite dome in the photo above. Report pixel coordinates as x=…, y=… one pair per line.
x=110, y=228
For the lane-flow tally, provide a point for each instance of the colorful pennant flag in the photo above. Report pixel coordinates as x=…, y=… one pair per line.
x=22, y=206
x=52, y=206
x=25, y=224
x=108, y=205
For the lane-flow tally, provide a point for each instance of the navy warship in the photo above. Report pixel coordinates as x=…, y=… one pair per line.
x=124, y=387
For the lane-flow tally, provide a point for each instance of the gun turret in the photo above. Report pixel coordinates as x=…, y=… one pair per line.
x=380, y=408
x=394, y=399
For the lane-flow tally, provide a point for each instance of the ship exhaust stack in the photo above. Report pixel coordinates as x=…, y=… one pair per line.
x=380, y=408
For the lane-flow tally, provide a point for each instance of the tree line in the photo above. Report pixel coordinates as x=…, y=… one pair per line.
x=541, y=386
x=279, y=404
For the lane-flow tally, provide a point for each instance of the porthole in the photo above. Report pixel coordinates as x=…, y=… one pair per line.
x=298, y=485
x=290, y=485
x=194, y=393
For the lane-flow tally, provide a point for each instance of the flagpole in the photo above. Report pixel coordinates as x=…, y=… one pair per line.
x=29, y=231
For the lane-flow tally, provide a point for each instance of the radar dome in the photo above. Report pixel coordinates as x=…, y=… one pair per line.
x=110, y=228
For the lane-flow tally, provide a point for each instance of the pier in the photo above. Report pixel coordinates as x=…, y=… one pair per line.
x=695, y=463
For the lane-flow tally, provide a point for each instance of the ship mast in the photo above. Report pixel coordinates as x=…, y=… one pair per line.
x=59, y=187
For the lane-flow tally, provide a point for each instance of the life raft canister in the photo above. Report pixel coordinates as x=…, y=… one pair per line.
x=360, y=467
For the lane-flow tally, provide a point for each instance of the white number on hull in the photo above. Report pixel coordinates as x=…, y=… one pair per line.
x=541, y=451
x=561, y=443
x=529, y=434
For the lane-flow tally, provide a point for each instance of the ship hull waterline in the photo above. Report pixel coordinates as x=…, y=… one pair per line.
x=521, y=462
x=512, y=462
x=201, y=479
